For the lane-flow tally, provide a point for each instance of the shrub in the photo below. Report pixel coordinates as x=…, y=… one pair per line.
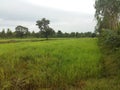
x=110, y=39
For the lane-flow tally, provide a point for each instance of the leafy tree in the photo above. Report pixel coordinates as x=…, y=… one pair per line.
x=33, y=34
x=77, y=34
x=28, y=34
x=107, y=14
x=51, y=32
x=72, y=34
x=9, y=33
x=59, y=33
x=88, y=34
x=3, y=34
x=94, y=35
x=43, y=25
x=82, y=34
x=66, y=34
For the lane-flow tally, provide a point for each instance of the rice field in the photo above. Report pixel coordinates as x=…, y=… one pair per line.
x=63, y=64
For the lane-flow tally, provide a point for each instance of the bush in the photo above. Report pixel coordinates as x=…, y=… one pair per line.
x=110, y=39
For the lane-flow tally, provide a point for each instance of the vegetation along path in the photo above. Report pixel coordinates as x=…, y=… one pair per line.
x=54, y=64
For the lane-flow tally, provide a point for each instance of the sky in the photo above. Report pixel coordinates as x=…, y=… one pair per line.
x=64, y=15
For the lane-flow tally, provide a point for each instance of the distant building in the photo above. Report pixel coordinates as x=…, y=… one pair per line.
x=21, y=29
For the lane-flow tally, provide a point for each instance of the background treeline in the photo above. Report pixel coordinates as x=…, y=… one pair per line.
x=59, y=34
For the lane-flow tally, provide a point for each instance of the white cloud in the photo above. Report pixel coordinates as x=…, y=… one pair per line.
x=84, y=6
x=65, y=15
x=13, y=23
x=1, y=20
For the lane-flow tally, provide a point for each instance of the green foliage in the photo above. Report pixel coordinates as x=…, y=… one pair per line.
x=41, y=34
x=110, y=39
x=59, y=34
x=107, y=14
x=43, y=25
x=103, y=84
x=2, y=34
x=110, y=47
x=9, y=33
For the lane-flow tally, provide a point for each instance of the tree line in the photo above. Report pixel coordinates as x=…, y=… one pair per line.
x=59, y=34
x=45, y=32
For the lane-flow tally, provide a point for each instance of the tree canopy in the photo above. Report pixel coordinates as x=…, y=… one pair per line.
x=107, y=14
x=43, y=25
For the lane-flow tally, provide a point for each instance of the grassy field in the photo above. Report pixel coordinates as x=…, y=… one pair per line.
x=68, y=64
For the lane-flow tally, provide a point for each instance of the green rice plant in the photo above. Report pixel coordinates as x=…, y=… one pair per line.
x=53, y=64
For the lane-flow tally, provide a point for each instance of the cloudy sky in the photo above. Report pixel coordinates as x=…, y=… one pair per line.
x=65, y=15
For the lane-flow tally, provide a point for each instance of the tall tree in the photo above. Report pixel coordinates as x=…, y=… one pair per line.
x=107, y=14
x=43, y=25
